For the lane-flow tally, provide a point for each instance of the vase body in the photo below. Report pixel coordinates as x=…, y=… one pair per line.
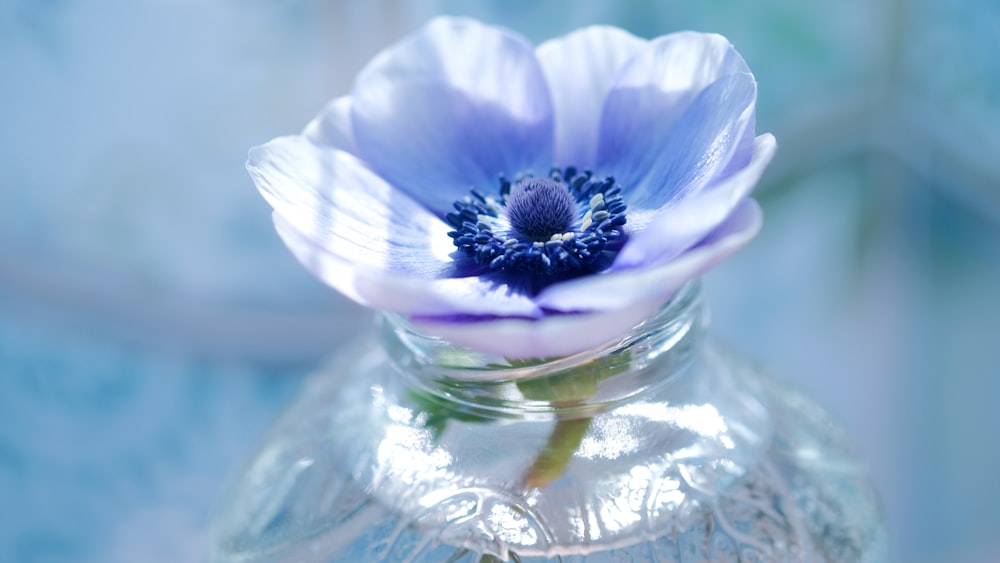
x=661, y=447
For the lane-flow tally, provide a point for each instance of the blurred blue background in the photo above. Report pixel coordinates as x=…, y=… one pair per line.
x=152, y=325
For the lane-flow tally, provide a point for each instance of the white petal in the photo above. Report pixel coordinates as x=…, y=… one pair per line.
x=332, y=127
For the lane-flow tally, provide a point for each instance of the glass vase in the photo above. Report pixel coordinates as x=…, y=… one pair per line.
x=662, y=446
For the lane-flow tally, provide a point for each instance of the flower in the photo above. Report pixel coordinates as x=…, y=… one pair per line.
x=524, y=201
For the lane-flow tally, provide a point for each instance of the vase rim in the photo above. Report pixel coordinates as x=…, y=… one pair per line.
x=441, y=368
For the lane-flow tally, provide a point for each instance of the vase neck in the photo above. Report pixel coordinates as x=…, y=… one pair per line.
x=583, y=383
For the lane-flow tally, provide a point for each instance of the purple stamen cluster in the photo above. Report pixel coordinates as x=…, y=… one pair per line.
x=553, y=228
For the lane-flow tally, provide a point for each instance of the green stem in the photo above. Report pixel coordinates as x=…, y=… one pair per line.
x=558, y=450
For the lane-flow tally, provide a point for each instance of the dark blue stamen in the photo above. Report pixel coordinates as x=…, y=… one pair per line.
x=539, y=208
x=542, y=230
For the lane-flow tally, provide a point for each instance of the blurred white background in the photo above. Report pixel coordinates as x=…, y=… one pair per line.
x=151, y=323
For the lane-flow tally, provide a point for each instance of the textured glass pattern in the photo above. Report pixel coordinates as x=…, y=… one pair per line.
x=690, y=455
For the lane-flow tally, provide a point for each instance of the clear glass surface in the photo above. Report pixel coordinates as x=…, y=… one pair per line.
x=660, y=447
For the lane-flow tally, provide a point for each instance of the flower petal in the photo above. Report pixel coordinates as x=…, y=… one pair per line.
x=360, y=196
x=675, y=117
x=332, y=127
x=674, y=229
x=580, y=69
x=552, y=336
x=398, y=292
x=366, y=239
x=452, y=107
x=625, y=289
x=598, y=308
x=334, y=199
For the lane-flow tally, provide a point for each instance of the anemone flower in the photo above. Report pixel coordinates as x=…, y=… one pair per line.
x=524, y=201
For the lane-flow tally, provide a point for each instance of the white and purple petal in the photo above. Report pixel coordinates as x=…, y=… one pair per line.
x=400, y=292
x=336, y=200
x=361, y=196
x=587, y=312
x=361, y=236
x=453, y=107
x=552, y=336
x=655, y=284
x=670, y=231
x=580, y=69
x=675, y=117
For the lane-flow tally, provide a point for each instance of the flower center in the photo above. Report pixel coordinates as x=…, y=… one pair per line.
x=541, y=230
x=538, y=208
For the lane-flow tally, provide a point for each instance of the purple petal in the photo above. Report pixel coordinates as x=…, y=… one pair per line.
x=580, y=69
x=743, y=152
x=674, y=229
x=675, y=117
x=332, y=127
x=627, y=288
x=453, y=107
x=398, y=291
